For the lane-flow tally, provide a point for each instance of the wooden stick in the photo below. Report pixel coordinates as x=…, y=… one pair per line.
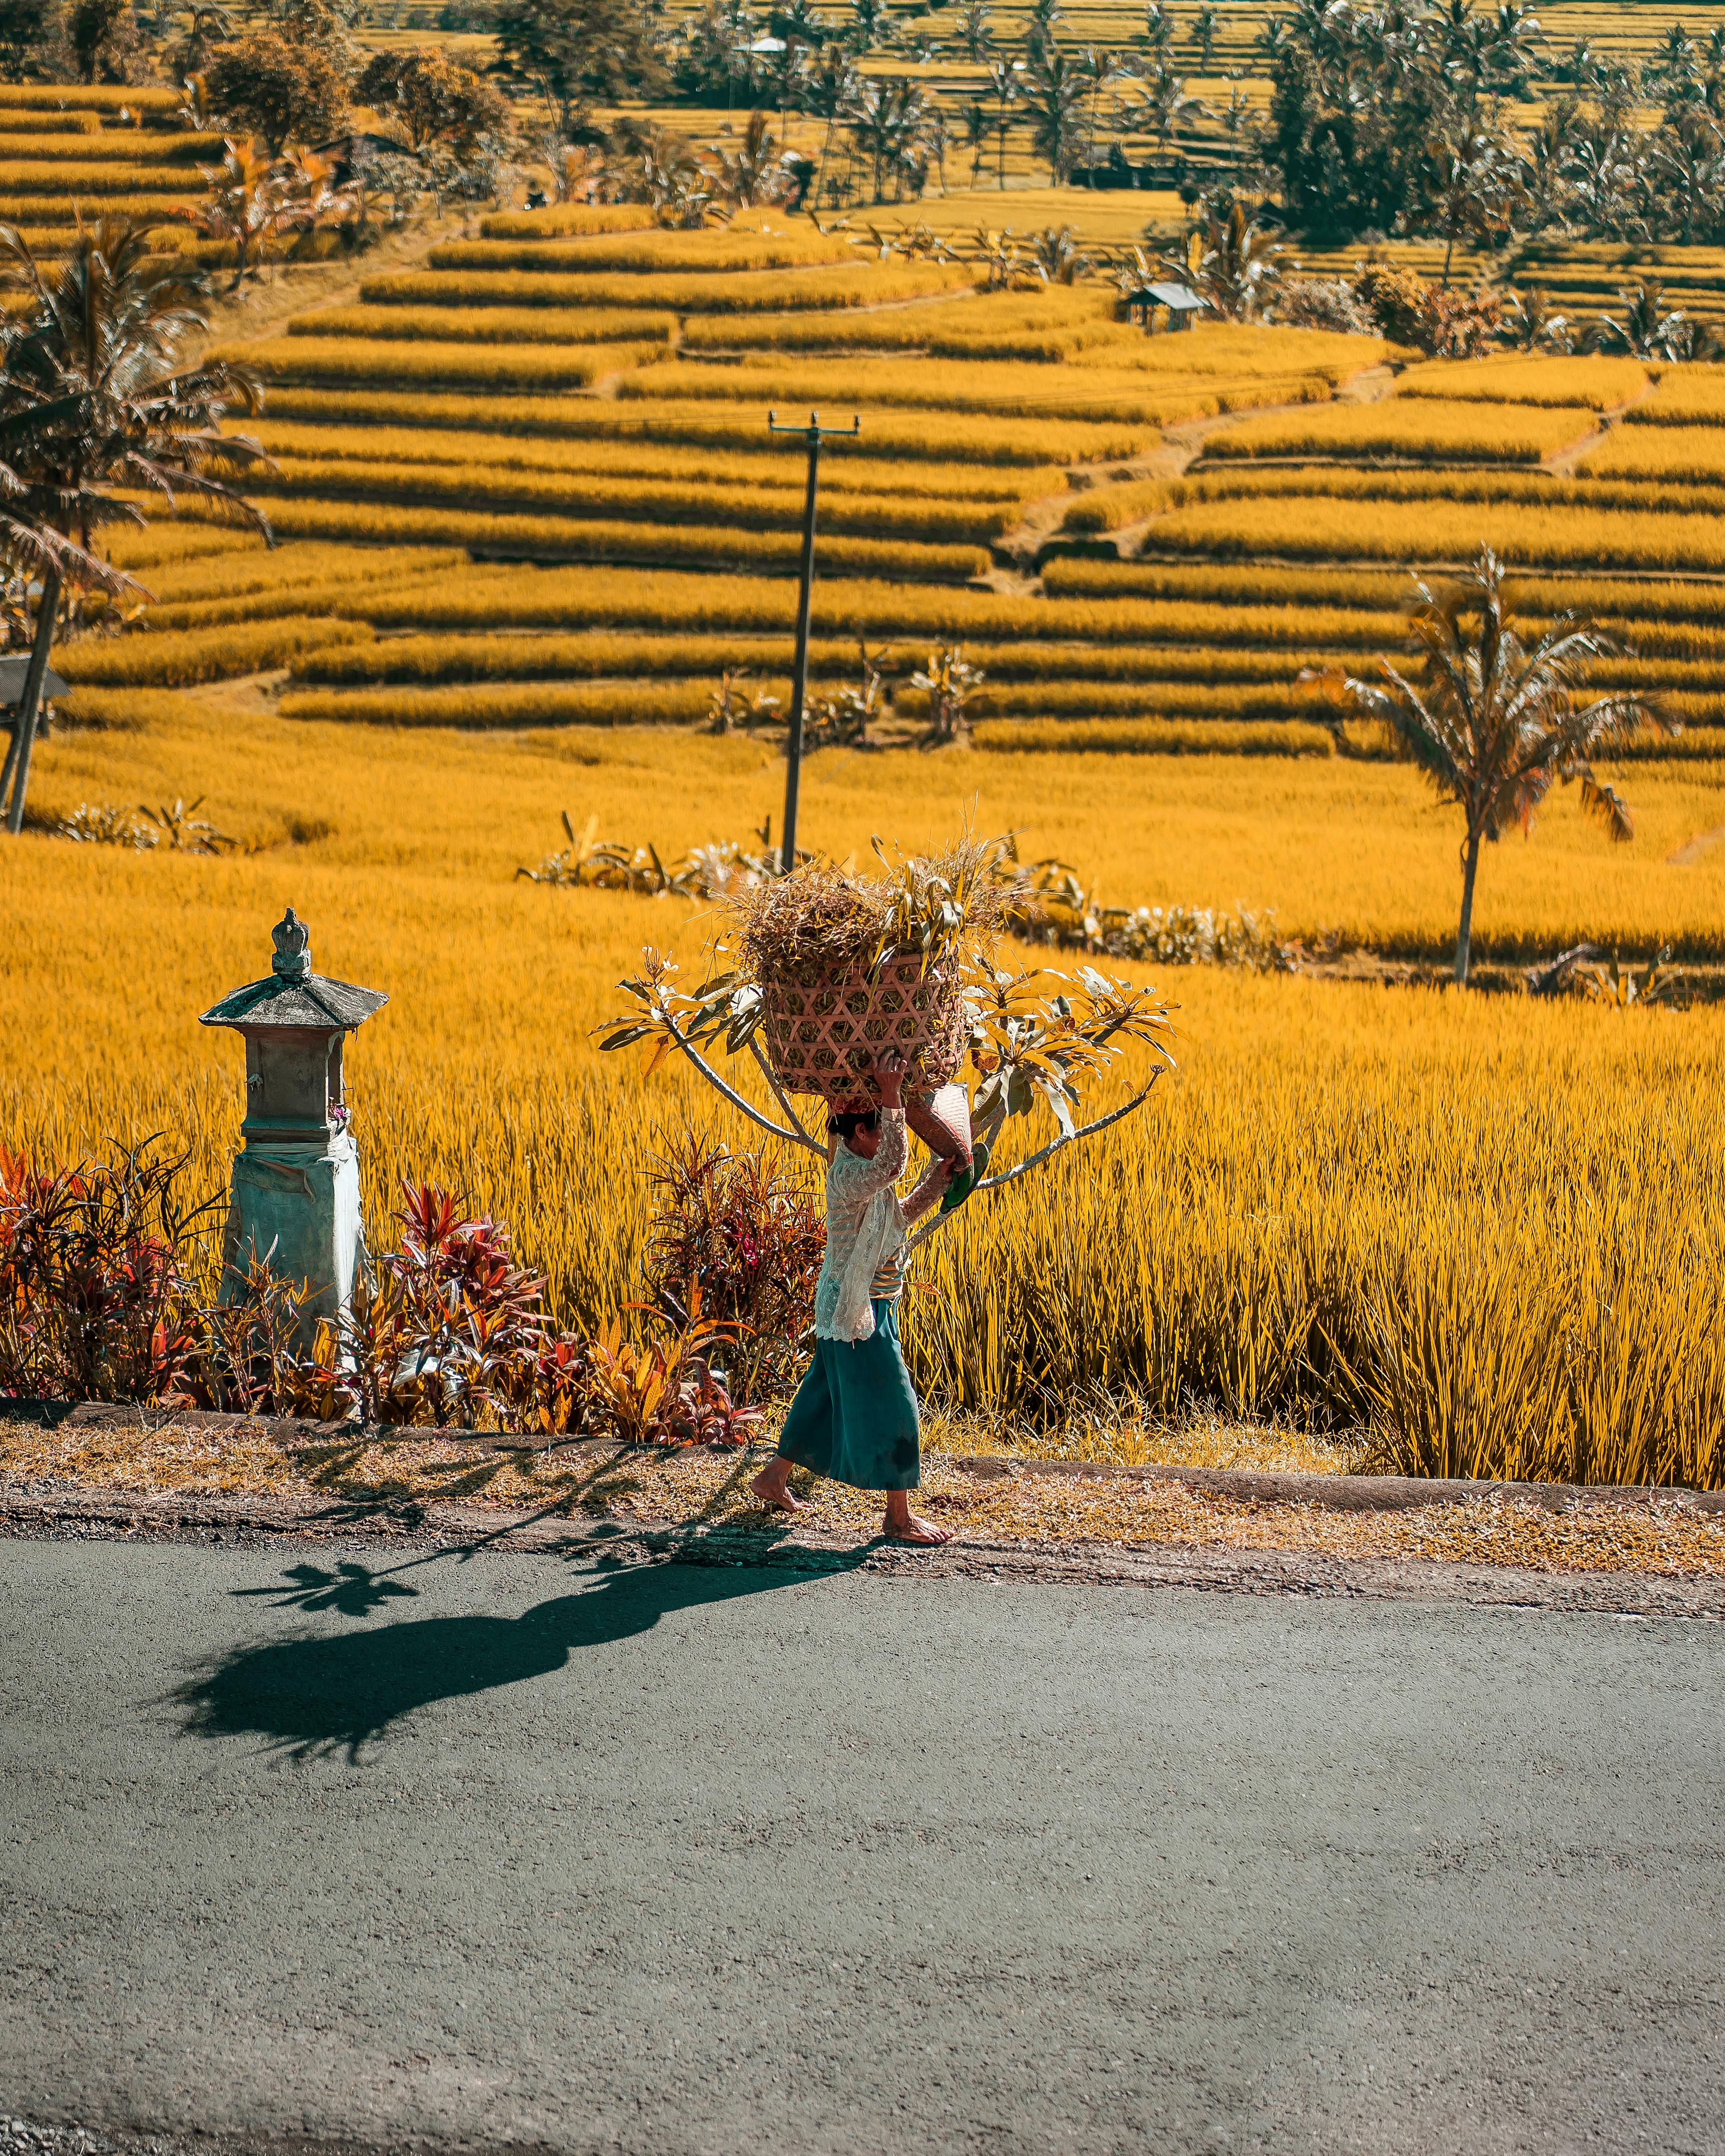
x=783, y=1100
x=736, y=1099
x=1036, y=1159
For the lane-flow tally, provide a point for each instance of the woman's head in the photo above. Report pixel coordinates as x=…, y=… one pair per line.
x=859, y=1128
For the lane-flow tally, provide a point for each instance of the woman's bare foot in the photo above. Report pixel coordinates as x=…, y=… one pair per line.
x=908, y=1527
x=771, y=1485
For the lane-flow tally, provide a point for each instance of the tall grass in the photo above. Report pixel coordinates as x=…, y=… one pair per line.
x=13, y=122
x=1154, y=737
x=515, y=704
x=647, y=458
x=487, y=325
x=77, y=144
x=842, y=285
x=1418, y=427
x=538, y=367
x=573, y=539
x=1101, y=699
x=1091, y=396
x=481, y=658
x=562, y=219
x=1438, y=531
x=485, y=598
x=1685, y=455
x=47, y=97
x=1602, y=383
x=701, y=426
x=1478, y=1226
x=67, y=208
x=920, y=516
x=166, y=659
x=717, y=254
x=1680, y=610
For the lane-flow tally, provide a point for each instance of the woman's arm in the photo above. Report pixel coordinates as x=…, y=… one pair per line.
x=931, y=1186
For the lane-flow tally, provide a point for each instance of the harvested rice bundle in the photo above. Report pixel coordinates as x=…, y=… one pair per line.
x=850, y=966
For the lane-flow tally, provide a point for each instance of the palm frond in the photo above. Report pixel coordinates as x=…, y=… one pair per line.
x=1606, y=804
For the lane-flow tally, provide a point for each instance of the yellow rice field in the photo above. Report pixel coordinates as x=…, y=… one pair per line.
x=1329, y=1159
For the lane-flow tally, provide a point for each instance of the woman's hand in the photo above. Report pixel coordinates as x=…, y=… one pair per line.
x=889, y=1077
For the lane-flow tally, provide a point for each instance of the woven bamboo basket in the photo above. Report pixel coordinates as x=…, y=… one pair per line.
x=825, y=1030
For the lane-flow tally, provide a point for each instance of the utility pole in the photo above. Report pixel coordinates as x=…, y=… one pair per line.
x=813, y=435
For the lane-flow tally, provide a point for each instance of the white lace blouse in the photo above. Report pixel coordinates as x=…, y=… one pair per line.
x=865, y=1230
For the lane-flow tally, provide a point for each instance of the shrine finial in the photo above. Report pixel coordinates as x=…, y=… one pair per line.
x=292, y=940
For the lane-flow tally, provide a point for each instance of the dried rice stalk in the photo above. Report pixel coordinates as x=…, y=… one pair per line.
x=822, y=921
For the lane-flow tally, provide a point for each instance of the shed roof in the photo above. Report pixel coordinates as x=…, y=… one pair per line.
x=1180, y=297
x=12, y=681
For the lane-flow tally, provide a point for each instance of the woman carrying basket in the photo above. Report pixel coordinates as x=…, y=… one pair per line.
x=854, y=1416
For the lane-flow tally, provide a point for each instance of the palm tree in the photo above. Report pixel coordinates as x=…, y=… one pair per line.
x=1158, y=31
x=979, y=123
x=976, y=32
x=1003, y=81
x=90, y=401
x=1467, y=179
x=1646, y=330
x=1161, y=108
x=1057, y=88
x=889, y=118
x=1057, y=257
x=1495, y=724
x=753, y=174
x=830, y=90
x=1230, y=261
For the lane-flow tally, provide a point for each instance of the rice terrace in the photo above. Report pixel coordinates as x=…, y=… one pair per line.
x=1210, y=517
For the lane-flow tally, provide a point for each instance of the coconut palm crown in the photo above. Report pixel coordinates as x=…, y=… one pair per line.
x=92, y=400
x=1494, y=722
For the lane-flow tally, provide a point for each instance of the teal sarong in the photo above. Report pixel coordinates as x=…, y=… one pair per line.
x=854, y=1416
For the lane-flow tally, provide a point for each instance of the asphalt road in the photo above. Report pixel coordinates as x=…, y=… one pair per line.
x=678, y=1858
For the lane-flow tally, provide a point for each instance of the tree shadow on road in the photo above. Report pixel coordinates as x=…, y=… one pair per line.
x=314, y=1697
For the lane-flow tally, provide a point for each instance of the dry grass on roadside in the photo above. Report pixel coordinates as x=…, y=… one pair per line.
x=705, y=1488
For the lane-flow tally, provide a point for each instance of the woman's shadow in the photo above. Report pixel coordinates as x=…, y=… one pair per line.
x=314, y=1695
